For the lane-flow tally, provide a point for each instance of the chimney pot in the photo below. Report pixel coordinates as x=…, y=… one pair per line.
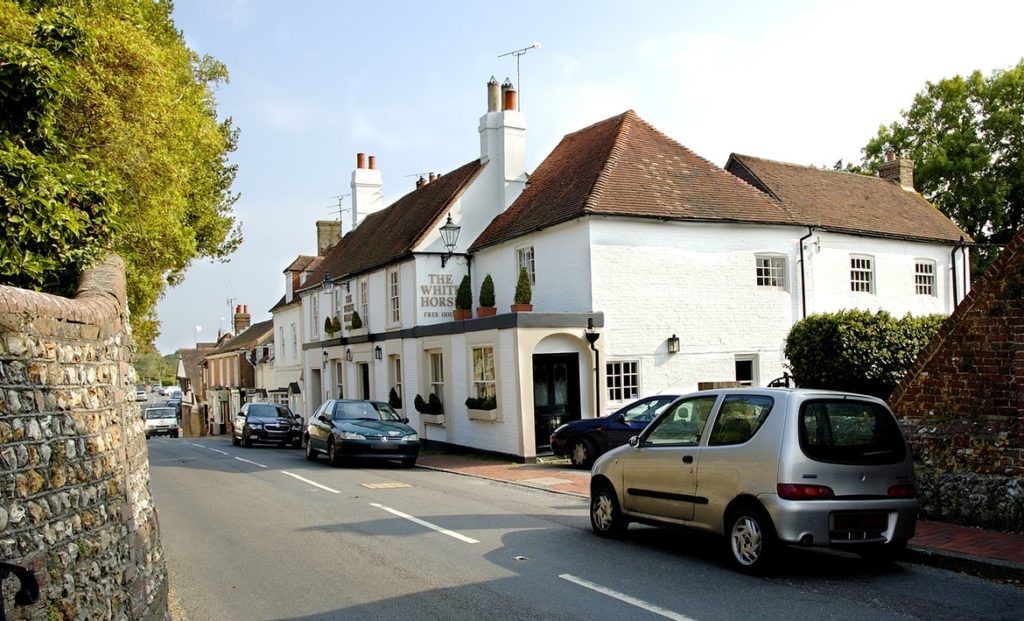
x=360, y=160
x=508, y=96
x=432, y=177
x=373, y=162
x=420, y=182
x=493, y=95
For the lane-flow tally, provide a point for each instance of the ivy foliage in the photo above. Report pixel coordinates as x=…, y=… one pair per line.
x=109, y=140
x=966, y=137
x=856, y=350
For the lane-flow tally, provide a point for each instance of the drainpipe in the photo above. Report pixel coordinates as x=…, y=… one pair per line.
x=952, y=262
x=803, y=277
x=592, y=335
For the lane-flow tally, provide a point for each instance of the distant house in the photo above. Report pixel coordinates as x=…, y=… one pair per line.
x=651, y=269
x=287, y=318
x=230, y=372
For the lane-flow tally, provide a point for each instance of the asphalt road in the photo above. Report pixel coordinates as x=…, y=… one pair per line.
x=261, y=533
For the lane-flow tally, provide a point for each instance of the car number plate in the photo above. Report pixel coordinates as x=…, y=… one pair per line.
x=860, y=521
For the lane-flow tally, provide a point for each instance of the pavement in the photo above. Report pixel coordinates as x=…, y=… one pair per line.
x=986, y=553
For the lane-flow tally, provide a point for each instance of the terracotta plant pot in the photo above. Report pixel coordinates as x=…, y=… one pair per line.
x=460, y=314
x=486, y=311
x=522, y=308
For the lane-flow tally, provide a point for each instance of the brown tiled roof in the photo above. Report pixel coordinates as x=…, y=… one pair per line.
x=281, y=304
x=300, y=263
x=623, y=166
x=388, y=235
x=847, y=202
x=247, y=339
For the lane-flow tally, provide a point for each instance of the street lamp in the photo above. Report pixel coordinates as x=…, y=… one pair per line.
x=328, y=283
x=348, y=355
x=378, y=353
x=673, y=344
x=449, y=237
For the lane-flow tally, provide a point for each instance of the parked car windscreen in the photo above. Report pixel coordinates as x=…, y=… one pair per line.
x=364, y=410
x=850, y=432
x=268, y=410
x=160, y=413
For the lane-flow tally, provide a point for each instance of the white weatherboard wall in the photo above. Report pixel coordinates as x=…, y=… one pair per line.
x=561, y=257
x=828, y=275
x=697, y=281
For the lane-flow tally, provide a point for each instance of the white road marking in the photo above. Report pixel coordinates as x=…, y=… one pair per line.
x=199, y=445
x=313, y=483
x=219, y=451
x=250, y=462
x=443, y=531
x=622, y=597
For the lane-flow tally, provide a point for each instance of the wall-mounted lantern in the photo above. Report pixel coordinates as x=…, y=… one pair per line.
x=325, y=357
x=378, y=353
x=328, y=283
x=449, y=237
x=673, y=344
x=348, y=355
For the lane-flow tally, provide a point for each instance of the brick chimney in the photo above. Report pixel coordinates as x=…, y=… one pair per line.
x=503, y=145
x=242, y=318
x=328, y=232
x=367, y=192
x=898, y=169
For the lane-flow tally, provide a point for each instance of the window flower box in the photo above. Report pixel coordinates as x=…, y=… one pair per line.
x=488, y=416
x=433, y=419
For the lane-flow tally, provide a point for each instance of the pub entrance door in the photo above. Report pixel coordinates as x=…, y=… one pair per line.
x=556, y=394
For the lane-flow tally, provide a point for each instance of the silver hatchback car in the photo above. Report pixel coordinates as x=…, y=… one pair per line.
x=764, y=466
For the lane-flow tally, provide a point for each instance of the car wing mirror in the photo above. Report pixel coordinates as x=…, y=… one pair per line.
x=634, y=441
x=621, y=418
x=324, y=418
x=405, y=420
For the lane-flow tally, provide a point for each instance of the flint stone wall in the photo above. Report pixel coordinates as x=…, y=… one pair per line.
x=962, y=405
x=75, y=505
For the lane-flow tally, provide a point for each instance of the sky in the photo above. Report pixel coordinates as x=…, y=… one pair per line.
x=315, y=82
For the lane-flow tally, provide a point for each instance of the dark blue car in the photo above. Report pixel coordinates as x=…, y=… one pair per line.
x=584, y=440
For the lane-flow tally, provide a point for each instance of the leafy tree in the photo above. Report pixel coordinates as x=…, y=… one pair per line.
x=109, y=140
x=966, y=137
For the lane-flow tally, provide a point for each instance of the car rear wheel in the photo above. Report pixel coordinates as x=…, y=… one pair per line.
x=751, y=539
x=605, y=515
x=581, y=454
x=310, y=453
x=234, y=440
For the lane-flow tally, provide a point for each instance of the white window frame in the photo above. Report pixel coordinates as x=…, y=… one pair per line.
x=394, y=292
x=395, y=368
x=771, y=271
x=924, y=277
x=284, y=349
x=754, y=371
x=862, y=273
x=295, y=342
x=363, y=293
x=484, y=375
x=314, y=309
x=339, y=372
x=622, y=380
x=525, y=257
x=435, y=370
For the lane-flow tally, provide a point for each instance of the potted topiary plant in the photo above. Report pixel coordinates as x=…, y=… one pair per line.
x=357, y=322
x=463, y=300
x=394, y=400
x=482, y=408
x=431, y=410
x=329, y=327
x=524, y=295
x=486, y=308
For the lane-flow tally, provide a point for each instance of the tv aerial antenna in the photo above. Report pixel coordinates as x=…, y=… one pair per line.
x=517, y=54
x=338, y=207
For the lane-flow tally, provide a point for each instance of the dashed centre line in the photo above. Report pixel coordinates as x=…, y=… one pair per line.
x=435, y=527
x=628, y=599
x=313, y=483
x=250, y=462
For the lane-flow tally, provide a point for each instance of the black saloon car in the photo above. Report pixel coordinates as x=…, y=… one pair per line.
x=585, y=440
x=344, y=429
x=267, y=423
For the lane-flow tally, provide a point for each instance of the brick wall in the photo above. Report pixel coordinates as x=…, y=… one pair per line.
x=75, y=504
x=962, y=404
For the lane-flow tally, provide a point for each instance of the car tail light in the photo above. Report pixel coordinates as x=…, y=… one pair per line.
x=901, y=491
x=790, y=491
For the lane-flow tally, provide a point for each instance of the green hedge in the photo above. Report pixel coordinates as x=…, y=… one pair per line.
x=857, y=350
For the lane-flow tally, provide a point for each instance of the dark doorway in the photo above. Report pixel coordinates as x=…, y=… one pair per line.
x=364, y=380
x=556, y=393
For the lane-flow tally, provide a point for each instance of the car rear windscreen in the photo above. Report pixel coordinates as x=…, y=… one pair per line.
x=850, y=432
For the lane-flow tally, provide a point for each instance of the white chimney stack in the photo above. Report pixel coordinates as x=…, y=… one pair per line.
x=503, y=144
x=367, y=191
